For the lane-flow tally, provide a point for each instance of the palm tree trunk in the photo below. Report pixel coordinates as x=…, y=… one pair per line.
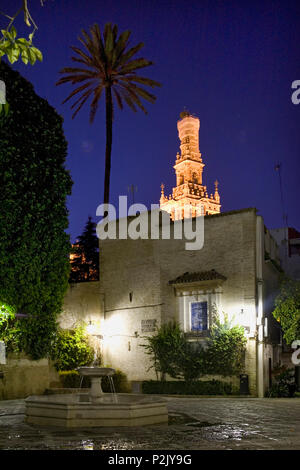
x=108, y=102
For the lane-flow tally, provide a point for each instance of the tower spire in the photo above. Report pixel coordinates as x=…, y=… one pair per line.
x=189, y=189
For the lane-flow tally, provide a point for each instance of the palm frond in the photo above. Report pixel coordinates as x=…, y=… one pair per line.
x=133, y=97
x=96, y=35
x=118, y=98
x=77, y=90
x=83, y=99
x=134, y=65
x=95, y=102
x=87, y=60
x=120, y=47
x=126, y=97
x=125, y=57
x=107, y=62
x=142, y=80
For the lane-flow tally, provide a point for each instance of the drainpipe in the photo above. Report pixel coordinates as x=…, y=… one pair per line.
x=259, y=312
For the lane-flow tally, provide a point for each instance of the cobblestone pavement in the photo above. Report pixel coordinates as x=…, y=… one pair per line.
x=194, y=424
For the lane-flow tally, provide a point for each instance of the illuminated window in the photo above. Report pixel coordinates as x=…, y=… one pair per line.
x=198, y=316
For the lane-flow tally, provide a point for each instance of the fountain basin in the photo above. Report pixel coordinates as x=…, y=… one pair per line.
x=96, y=371
x=96, y=374
x=79, y=410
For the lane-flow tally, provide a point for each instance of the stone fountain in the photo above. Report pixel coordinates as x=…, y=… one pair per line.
x=96, y=374
x=95, y=408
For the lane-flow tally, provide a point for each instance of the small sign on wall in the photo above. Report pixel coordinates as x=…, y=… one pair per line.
x=148, y=326
x=2, y=353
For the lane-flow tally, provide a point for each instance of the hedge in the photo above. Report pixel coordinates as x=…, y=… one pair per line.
x=207, y=387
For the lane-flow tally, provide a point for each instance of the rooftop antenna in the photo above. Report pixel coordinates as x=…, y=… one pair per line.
x=284, y=215
x=132, y=189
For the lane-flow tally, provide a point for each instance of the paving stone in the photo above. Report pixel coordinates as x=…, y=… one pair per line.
x=195, y=424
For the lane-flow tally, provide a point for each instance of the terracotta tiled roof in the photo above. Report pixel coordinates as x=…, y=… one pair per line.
x=198, y=276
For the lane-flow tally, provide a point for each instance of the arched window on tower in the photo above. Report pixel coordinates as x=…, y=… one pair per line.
x=180, y=180
x=194, y=177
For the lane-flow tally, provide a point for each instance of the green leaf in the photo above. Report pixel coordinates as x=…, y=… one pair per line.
x=24, y=56
x=22, y=42
x=37, y=53
x=13, y=32
x=31, y=56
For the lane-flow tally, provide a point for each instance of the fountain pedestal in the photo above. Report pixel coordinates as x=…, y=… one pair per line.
x=96, y=374
x=96, y=392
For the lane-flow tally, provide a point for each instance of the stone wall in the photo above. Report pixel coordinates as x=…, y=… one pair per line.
x=135, y=277
x=83, y=303
x=22, y=377
x=130, y=279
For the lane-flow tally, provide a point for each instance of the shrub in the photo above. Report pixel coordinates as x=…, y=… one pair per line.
x=284, y=385
x=190, y=361
x=71, y=349
x=10, y=331
x=72, y=379
x=164, y=348
x=120, y=382
x=225, y=354
x=207, y=387
x=173, y=354
x=287, y=309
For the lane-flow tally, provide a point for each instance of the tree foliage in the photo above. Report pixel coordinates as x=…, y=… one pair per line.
x=34, y=248
x=14, y=47
x=85, y=255
x=287, y=309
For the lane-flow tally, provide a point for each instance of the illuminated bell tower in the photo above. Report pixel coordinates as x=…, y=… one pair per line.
x=189, y=190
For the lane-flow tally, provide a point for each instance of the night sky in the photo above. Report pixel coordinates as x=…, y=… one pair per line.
x=230, y=63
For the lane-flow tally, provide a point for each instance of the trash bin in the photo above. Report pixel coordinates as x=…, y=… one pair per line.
x=244, y=384
x=297, y=377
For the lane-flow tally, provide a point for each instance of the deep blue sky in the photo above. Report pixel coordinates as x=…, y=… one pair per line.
x=231, y=63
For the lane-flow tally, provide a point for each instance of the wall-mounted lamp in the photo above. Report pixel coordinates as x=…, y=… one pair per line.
x=92, y=329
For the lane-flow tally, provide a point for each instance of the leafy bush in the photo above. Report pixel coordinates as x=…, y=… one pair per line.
x=190, y=361
x=284, y=385
x=287, y=309
x=120, y=382
x=225, y=354
x=72, y=379
x=207, y=387
x=173, y=354
x=71, y=349
x=165, y=348
x=10, y=331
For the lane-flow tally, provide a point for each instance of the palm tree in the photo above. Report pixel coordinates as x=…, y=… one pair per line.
x=111, y=68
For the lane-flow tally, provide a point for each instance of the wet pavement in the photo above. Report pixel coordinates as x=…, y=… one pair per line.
x=194, y=424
